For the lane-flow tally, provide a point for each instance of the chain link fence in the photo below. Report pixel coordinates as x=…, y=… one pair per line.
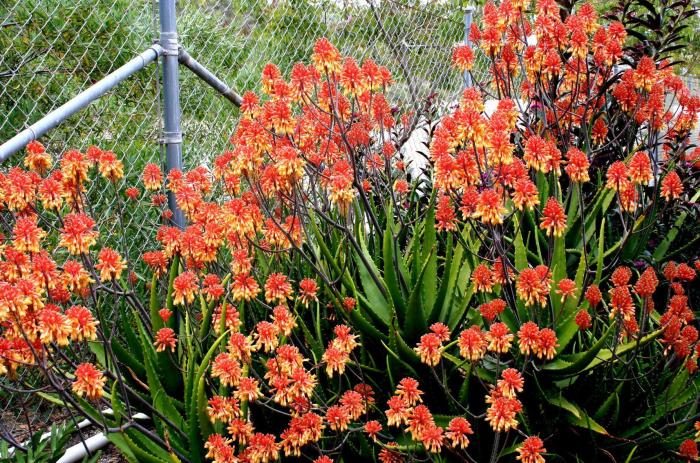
x=54, y=49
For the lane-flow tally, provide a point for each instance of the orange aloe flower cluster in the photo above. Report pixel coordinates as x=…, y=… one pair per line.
x=45, y=295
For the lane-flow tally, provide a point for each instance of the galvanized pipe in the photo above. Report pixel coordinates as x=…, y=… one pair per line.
x=172, y=135
x=207, y=76
x=468, y=14
x=81, y=100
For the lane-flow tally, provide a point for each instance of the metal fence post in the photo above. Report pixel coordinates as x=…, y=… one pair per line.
x=172, y=135
x=467, y=27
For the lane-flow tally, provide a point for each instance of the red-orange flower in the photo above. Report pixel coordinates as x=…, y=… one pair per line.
x=531, y=450
x=110, y=167
x=502, y=412
x=593, y=296
x=372, y=428
x=463, y=58
x=458, y=431
x=110, y=264
x=671, y=186
x=165, y=339
x=244, y=287
x=89, y=381
x=472, y=343
x=326, y=57
x=482, y=278
x=533, y=285
x=490, y=208
x=566, y=288
x=152, y=177
x=639, y=169
x=27, y=235
x=37, y=158
x=82, y=323
x=583, y=319
x=185, y=286
x=77, y=234
x=307, y=291
x=277, y=288
x=553, y=218
x=429, y=349
x=499, y=338
x=577, y=167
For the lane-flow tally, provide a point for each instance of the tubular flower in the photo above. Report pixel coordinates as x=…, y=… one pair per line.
x=307, y=291
x=533, y=285
x=89, y=381
x=227, y=369
x=335, y=360
x=110, y=264
x=408, y=390
x=37, y=158
x=82, y=324
x=337, y=418
x=458, y=431
x=528, y=338
x=277, y=288
x=502, y=412
x=372, y=428
x=577, y=167
x=525, y=194
x=593, y=296
x=463, y=58
x=583, y=319
x=262, y=448
x=110, y=167
x=185, y=286
x=490, y=208
x=165, y=339
x=53, y=326
x=398, y=411
x=27, y=235
x=647, y=283
x=566, y=288
x=445, y=215
x=490, y=310
x=511, y=382
x=531, y=450
x=546, y=344
x=616, y=176
x=266, y=335
x=430, y=349
x=391, y=454
x=157, y=261
x=75, y=276
x=482, y=278
x=77, y=234
x=326, y=57
x=223, y=409
x=432, y=438
x=621, y=303
x=244, y=287
x=499, y=338
x=621, y=276
x=671, y=186
x=639, y=169
x=689, y=450
x=553, y=218
x=152, y=177
x=472, y=343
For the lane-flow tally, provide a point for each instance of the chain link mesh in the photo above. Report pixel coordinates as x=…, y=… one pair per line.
x=54, y=49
